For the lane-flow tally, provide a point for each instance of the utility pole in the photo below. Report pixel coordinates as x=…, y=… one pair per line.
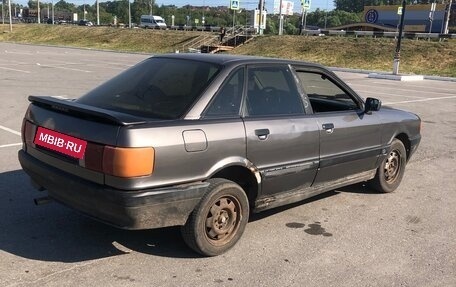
x=261, y=16
x=3, y=12
x=39, y=11
x=326, y=13
x=447, y=21
x=129, y=14
x=431, y=19
x=281, y=19
x=397, y=55
x=98, y=13
x=10, y=18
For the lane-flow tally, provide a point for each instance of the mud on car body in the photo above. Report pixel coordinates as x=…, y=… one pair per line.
x=201, y=141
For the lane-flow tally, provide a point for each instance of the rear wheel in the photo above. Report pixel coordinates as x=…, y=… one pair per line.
x=219, y=220
x=390, y=172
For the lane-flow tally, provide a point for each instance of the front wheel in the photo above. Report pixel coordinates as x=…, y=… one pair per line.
x=390, y=172
x=219, y=220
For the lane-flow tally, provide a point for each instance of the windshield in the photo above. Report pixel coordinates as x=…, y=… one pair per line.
x=155, y=88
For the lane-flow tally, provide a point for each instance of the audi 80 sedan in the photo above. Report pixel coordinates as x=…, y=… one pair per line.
x=201, y=141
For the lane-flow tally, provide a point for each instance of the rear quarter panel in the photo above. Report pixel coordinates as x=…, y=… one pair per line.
x=174, y=164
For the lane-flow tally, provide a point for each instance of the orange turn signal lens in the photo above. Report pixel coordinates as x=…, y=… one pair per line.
x=128, y=162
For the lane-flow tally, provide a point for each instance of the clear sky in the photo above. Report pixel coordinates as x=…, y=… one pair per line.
x=245, y=4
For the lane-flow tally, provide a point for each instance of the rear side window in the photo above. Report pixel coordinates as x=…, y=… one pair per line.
x=272, y=91
x=227, y=102
x=155, y=88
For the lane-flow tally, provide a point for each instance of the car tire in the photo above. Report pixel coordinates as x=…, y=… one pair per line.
x=391, y=170
x=219, y=220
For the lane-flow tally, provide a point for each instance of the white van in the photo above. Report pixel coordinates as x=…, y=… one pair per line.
x=152, y=21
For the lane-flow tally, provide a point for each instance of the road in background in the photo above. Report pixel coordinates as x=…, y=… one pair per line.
x=348, y=237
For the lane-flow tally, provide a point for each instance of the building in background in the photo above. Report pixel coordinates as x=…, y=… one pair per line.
x=417, y=17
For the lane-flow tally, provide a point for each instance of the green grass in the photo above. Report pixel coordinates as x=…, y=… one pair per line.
x=417, y=56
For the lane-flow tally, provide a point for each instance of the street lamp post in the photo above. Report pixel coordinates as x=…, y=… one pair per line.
x=98, y=13
x=3, y=12
x=10, y=18
x=447, y=20
x=326, y=13
x=39, y=12
x=280, y=19
x=129, y=14
x=261, y=17
x=397, y=54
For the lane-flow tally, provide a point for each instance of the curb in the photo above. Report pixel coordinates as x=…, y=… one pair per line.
x=360, y=71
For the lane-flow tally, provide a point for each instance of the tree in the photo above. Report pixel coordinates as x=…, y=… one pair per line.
x=62, y=5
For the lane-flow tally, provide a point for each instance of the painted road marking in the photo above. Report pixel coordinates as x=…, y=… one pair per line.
x=10, y=145
x=12, y=62
x=360, y=92
x=422, y=100
x=10, y=130
x=19, y=53
x=15, y=70
x=409, y=90
x=63, y=68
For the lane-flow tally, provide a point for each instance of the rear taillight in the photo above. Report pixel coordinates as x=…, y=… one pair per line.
x=121, y=162
x=24, y=123
x=128, y=162
x=28, y=131
x=94, y=156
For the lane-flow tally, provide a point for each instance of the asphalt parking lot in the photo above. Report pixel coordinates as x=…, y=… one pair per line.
x=347, y=237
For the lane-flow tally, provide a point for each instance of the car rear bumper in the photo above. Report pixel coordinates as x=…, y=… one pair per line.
x=137, y=209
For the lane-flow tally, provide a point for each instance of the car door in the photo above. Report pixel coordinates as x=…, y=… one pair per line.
x=349, y=138
x=282, y=139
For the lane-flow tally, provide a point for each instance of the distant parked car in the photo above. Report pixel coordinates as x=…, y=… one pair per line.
x=85, y=23
x=202, y=140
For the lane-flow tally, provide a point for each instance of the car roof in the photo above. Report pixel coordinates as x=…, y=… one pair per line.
x=224, y=59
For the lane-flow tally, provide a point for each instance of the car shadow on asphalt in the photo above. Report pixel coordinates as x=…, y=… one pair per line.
x=361, y=188
x=53, y=232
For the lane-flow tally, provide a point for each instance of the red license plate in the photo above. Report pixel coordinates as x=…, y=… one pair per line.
x=61, y=143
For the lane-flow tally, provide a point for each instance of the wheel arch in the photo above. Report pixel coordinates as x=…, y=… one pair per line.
x=406, y=142
x=247, y=178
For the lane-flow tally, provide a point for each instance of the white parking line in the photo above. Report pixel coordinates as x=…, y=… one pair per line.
x=19, y=53
x=12, y=62
x=64, y=68
x=15, y=70
x=10, y=130
x=422, y=100
x=360, y=92
x=10, y=145
x=408, y=90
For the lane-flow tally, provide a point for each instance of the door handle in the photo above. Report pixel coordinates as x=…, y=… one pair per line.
x=262, y=134
x=329, y=128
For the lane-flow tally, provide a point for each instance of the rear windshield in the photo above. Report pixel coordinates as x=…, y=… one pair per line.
x=155, y=88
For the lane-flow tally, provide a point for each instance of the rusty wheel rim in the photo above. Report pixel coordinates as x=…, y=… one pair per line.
x=223, y=220
x=392, y=166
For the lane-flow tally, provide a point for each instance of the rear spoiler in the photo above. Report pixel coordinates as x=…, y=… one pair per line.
x=84, y=111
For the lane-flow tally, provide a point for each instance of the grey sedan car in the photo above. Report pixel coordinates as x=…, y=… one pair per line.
x=200, y=141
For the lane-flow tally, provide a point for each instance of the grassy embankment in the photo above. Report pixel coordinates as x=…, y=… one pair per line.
x=419, y=57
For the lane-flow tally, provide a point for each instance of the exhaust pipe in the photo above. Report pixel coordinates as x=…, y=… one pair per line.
x=42, y=200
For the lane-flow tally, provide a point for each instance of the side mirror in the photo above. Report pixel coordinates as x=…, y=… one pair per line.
x=371, y=105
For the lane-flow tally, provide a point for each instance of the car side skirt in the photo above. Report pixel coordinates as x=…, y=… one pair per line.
x=302, y=194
